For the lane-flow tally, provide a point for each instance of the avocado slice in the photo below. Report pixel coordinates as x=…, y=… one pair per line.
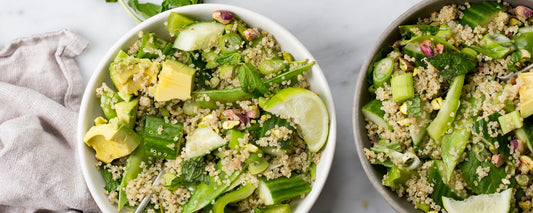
x=525, y=91
x=127, y=111
x=125, y=71
x=112, y=140
x=175, y=81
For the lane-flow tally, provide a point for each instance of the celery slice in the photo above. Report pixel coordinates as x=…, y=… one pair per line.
x=402, y=87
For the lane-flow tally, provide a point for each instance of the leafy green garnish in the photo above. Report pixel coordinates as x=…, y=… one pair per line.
x=413, y=106
x=110, y=184
x=193, y=170
x=385, y=146
x=110, y=1
x=230, y=59
x=489, y=183
x=440, y=188
x=397, y=177
x=408, y=31
x=481, y=129
x=452, y=64
x=146, y=10
x=258, y=131
x=250, y=80
x=169, y=4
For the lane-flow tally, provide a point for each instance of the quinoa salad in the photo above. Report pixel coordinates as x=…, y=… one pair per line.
x=449, y=125
x=212, y=119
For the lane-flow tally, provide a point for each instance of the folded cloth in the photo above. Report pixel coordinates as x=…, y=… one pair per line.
x=40, y=93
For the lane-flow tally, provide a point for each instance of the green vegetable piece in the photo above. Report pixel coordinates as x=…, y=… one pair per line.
x=510, y=121
x=258, y=167
x=280, y=189
x=110, y=183
x=383, y=71
x=440, y=189
x=230, y=43
x=271, y=66
x=410, y=31
x=108, y=99
x=234, y=136
x=453, y=146
x=233, y=196
x=446, y=114
x=192, y=171
x=162, y=139
x=489, y=183
x=402, y=87
x=481, y=129
x=495, y=46
x=177, y=21
x=413, y=106
x=229, y=59
x=271, y=123
x=418, y=129
x=434, y=39
x=205, y=193
x=146, y=10
x=481, y=13
x=210, y=57
x=525, y=134
x=396, y=177
x=423, y=207
x=524, y=41
x=467, y=51
x=251, y=80
x=412, y=49
x=452, y=64
x=278, y=208
x=150, y=45
x=133, y=168
x=373, y=112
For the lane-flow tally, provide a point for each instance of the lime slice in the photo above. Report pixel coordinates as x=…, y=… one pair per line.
x=497, y=202
x=306, y=109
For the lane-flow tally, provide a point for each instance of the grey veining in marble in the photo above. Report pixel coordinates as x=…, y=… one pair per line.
x=337, y=33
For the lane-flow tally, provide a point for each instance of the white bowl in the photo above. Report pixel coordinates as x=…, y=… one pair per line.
x=90, y=107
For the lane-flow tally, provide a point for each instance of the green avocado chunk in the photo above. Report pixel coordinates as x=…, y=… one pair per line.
x=112, y=140
x=124, y=69
x=127, y=111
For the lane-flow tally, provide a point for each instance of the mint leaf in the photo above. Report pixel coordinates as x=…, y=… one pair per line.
x=250, y=80
x=147, y=10
x=230, y=59
x=193, y=170
x=413, y=106
x=440, y=188
x=273, y=122
x=169, y=4
x=110, y=184
x=489, y=183
x=452, y=64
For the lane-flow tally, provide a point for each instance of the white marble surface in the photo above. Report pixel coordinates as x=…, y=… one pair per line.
x=338, y=33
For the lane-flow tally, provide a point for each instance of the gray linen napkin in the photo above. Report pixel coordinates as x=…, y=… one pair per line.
x=40, y=93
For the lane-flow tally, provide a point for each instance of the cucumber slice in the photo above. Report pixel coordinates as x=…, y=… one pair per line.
x=510, y=121
x=201, y=35
x=527, y=29
x=383, y=71
x=373, y=112
x=481, y=13
x=161, y=139
x=202, y=141
x=280, y=189
x=418, y=129
x=447, y=113
x=177, y=21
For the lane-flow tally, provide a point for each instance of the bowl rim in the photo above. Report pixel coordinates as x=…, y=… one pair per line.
x=359, y=131
x=304, y=205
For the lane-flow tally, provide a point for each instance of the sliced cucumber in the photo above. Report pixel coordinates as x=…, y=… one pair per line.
x=201, y=35
x=527, y=29
x=280, y=189
x=177, y=21
x=202, y=141
x=161, y=140
x=510, y=122
x=373, y=112
x=418, y=129
x=402, y=87
x=481, y=13
x=447, y=113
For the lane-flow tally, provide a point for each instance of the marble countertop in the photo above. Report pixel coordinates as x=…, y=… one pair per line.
x=338, y=34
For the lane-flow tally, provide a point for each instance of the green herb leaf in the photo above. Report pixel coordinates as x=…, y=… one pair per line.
x=413, y=106
x=230, y=59
x=250, y=80
x=110, y=184
x=258, y=132
x=147, y=10
x=452, y=64
x=481, y=129
x=489, y=183
x=193, y=170
x=408, y=31
x=169, y=4
x=440, y=188
x=110, y=1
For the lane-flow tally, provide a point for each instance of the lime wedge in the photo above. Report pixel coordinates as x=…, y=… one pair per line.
x=497, y=202
x=306, y=109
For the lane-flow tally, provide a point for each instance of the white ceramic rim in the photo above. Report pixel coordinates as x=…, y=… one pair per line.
x=318, y=84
